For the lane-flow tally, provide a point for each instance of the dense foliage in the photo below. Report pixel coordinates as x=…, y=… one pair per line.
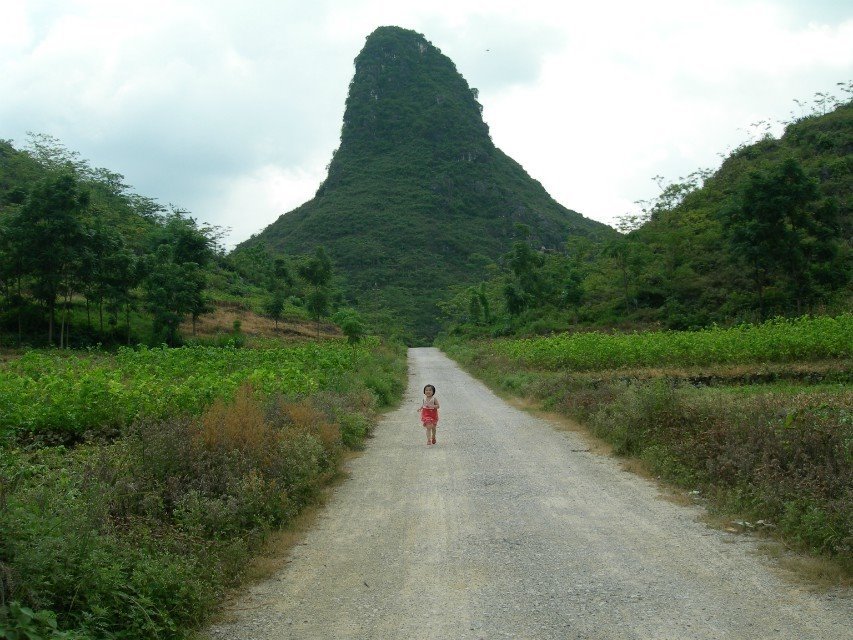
x=417, y=197
x=767, y=234
x=137, y=533
x=779, y=457
x=84, y=260
x=70, y=232
x=64, y=397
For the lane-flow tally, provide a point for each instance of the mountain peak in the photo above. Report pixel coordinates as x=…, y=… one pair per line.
x=405, y=91
x=417, y=192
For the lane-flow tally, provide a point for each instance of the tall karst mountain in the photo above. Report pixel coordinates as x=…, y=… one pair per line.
x=418, y=199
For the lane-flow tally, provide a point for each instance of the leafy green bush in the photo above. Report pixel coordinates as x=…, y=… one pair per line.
x=22, y=623
x=354, y=429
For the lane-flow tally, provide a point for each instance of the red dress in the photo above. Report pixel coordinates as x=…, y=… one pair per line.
x=429, y=416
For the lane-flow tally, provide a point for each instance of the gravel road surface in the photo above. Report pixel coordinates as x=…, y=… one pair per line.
x=507, y=528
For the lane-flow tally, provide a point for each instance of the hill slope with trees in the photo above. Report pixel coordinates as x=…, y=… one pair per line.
x=766, y=234
x=84, y=261
x=417, y=197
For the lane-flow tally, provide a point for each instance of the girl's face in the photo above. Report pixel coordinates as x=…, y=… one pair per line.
x=428, y=392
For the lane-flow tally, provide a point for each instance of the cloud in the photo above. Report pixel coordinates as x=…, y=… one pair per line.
x=246, y=202
x=178, y=97
x=232, y=111
x=646, y=93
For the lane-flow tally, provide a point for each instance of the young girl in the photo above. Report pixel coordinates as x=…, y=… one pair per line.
x=429, y=412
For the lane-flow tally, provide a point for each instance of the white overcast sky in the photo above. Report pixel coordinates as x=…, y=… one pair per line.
x=232, y=109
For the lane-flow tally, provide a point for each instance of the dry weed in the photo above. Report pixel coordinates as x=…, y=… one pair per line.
x=221, y=322
x=238, y=425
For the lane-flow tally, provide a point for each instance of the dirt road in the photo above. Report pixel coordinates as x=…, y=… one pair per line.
x=507, y=529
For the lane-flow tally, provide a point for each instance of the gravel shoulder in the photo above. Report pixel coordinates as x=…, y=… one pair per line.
x=507, y=529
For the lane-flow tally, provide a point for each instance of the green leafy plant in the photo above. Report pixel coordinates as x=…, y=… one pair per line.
x=18, y=622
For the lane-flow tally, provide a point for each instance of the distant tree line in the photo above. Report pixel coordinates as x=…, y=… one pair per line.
x=80, y=255
x=62, y=240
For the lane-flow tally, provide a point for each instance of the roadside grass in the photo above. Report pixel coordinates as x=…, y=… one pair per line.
x=274, y=552
x=763, y=442
x=812, y=572
x=142, y=535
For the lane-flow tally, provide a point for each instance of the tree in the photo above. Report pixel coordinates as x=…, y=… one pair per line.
x=526, y=287
x=176, y=278
x=47, y=235
x=628, y=257
x=107, y=271
x=475, y=309
x=317, y=272
x=826, y=255
x=350, y=323
x=279, y=284
x=54, y=156
x=172, y=291
x=274, y=306
x=572, y=292
x=484, y=303
x=253, y=263
x=317, y=304
x=771, y=228
x=515, y=300
x=282, y=277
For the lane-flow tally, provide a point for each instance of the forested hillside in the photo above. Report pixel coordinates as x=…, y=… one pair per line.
x=85, y=260
x=766, y=234
x=418, y=198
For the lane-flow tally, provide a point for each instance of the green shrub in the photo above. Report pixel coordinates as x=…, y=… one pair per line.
x=18, y=622
x=773, y=456
x=354, y=429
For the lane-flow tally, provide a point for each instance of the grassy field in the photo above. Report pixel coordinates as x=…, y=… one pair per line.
x=136, y=485
x=756, y=420
x=780, y=340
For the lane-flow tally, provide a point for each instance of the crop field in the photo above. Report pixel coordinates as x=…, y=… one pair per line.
x=164, y=470
x=778, y=340
x=71, y=394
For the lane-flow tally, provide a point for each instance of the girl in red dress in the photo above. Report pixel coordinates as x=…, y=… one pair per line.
x=429, y=412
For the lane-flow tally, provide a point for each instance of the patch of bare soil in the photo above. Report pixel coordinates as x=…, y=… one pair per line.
x=221, y=322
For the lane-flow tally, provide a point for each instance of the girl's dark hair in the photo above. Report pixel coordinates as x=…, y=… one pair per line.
x=431, y=386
